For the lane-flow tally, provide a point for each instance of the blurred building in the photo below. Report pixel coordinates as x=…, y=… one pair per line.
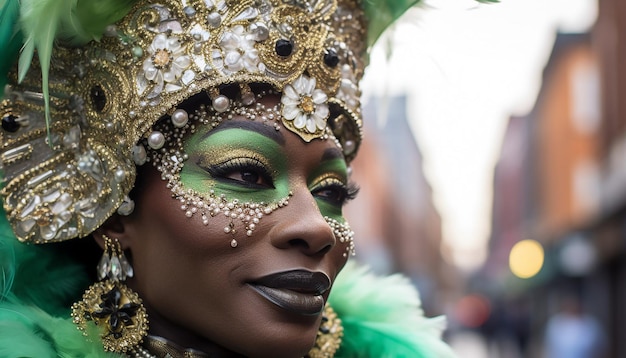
x=397, y=226
x=561, y=180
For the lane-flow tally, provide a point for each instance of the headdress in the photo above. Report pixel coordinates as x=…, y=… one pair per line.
x=69, y=137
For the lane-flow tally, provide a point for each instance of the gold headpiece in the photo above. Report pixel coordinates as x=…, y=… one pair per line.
x=65, y=178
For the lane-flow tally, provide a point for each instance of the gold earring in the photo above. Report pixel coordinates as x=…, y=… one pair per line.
x=112, y=306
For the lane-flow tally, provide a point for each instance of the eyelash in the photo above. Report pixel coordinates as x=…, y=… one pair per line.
x=346, y=192
x=222, y=170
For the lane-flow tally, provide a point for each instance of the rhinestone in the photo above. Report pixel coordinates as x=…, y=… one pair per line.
x=98, y=98
x=139, y=154
x=189, y=11
x=331, y=59
x=137, y=51
x=9, y=123
x=260, y=31
x=120, y=175
x=214, y=19
x=284, y=47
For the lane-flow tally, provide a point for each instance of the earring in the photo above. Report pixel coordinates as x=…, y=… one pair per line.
x=111, y=305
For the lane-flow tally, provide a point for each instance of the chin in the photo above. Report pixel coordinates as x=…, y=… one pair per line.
x=287, y=343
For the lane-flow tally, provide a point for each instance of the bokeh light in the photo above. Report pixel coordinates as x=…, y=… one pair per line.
x=526, y=258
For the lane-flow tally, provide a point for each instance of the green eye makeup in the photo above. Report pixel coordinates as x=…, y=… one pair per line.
x=239, y=170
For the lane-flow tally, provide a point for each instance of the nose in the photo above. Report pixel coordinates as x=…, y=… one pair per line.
x=301, y=226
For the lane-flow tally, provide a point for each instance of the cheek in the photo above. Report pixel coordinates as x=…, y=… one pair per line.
x=169, y=249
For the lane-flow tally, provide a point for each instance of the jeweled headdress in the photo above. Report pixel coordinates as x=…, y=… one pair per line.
x=94, y=76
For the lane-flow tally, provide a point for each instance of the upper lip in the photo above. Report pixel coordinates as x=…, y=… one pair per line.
x=303, y=281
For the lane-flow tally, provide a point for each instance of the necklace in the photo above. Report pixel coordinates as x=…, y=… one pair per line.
x=327, y=342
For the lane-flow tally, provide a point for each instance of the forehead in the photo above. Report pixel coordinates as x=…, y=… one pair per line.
x=260, y=120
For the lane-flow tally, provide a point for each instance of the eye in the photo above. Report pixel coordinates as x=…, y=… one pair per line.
x=335, y=192
x=247, y=172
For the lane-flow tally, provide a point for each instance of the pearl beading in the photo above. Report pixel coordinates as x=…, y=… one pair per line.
x=166, y=152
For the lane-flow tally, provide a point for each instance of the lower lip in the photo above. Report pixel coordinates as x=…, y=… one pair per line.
x=301, y=303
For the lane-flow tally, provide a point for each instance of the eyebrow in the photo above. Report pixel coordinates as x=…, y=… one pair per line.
x=332, y=153
x=258, y=127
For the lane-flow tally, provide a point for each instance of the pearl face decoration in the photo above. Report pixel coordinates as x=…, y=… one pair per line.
x=167, y=154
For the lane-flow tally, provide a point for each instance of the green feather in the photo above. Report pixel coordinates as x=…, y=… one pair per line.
x=94, y=16
x=382, y=13
x=10, y=38
x=37, y=275
x=26, y=331
x=74, y=21
x=382, y=317
x=38, y=284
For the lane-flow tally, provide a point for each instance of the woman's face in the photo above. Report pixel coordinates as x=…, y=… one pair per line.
x=262, y=297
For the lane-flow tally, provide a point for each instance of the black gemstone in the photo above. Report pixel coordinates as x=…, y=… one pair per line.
x=331, y=59
x=9, y=123
x=98, y=98
x=284, y=47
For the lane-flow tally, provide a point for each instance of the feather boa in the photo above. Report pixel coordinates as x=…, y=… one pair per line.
x=37, y=286
x=382, y=317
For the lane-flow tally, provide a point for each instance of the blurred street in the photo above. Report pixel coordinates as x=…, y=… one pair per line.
x=538, y=268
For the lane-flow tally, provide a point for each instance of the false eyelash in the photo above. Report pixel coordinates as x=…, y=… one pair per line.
x=344, y=192
x=352, y=190
x=222, y=170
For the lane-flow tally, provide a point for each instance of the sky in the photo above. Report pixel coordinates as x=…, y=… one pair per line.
x=466, y=68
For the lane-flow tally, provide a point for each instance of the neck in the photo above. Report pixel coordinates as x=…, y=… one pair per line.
x=168, y=337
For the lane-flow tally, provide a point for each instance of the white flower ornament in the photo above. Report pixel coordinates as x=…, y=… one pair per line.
x=305, y=105
x=239, y=51
x=166, y=62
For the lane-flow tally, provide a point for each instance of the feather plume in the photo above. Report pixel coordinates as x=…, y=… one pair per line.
x=382, y=13
x=73, y=21
x=382, y=317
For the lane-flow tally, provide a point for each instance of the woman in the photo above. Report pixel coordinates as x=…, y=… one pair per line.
x=204, y=147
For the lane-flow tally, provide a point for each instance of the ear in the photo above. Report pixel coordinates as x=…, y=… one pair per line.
x=113, y=227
